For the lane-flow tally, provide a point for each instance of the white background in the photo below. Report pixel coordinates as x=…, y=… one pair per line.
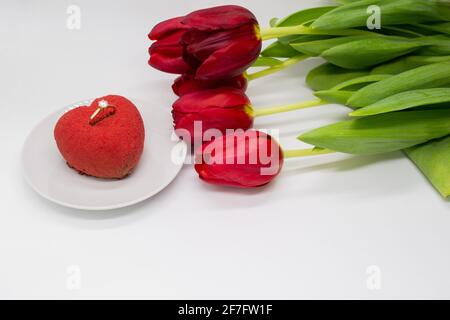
x=312, y=234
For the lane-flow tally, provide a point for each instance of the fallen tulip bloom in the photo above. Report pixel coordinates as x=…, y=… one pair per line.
x=186, y=84
x=215, y=43
x=244, y=159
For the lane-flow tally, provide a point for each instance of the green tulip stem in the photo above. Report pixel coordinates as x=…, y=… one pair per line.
x=276, y=68
x=305, y=152
x=288, y=107
x=278, y=32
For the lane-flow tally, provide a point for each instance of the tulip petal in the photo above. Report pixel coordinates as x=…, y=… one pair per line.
x=222, y=17
x=230, y=61
x=166, y=62
x=201, y=45
x=220, y=109
x=213, y=119
x=214, y=98
x=204, y=171
x=167, y=54
x=173, y=40
x=165, y=28
x=221, y=165
x=186, y=84
x=209, y=177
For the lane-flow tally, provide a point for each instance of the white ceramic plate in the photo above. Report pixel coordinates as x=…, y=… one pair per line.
x=48, y=174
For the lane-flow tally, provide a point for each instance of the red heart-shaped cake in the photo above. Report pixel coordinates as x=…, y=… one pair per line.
x=104, y=140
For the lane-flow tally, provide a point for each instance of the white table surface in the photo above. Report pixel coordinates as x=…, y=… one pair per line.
x=314, y=233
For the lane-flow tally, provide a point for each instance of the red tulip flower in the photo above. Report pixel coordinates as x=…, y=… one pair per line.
x=215, y=43
x=244, y=159
x=186, y=84
x=216, y=109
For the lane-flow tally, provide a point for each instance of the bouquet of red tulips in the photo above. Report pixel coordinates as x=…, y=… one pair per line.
x=393, y=76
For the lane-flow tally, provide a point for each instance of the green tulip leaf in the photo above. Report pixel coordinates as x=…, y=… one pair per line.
x=437, y=27
x=266, y=62
x=428, y=76
x=393, y=12
x=315, y=48
x=381, y=133
x=370, y=51
x=403, y=64
x=279, y=50
x=433, y=159
x=303, y=16
x=406, y=100
x=327, y=76
x=361, y=80
x=334, y=96
x=303, y=38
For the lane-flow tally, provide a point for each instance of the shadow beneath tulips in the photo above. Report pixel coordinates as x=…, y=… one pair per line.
x=393, y=183
x=337, y=162
x=241, y=198
x=238, y=191
x=374, y=176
